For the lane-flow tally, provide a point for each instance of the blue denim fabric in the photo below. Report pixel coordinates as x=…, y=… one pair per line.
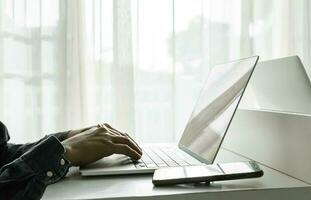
x=24, y=168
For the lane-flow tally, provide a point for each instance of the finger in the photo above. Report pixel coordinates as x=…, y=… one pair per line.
x=122, y=139
x=127, y=141
x=124, y=134
x=126, y=150
x=101, y=130
x=112, y=130
x=107, y=125
x=127, y=135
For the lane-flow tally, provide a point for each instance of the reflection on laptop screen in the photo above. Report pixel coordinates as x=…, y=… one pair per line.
x=215, y=107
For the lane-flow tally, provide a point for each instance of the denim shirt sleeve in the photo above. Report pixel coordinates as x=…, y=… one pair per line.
x=26, y=176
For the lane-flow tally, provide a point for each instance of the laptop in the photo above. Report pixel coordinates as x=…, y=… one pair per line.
x=204, y=132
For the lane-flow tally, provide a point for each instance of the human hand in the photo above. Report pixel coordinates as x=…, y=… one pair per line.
x=74, y=132
x=98, y=142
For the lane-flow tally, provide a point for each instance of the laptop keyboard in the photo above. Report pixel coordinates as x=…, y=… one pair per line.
x=163, y=156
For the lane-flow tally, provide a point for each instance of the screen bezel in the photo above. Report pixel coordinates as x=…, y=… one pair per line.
x=195, y=155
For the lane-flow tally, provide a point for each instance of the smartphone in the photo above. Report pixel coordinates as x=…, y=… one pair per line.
x=206, y=173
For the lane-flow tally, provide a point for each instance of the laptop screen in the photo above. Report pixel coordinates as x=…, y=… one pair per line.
x=215, y=108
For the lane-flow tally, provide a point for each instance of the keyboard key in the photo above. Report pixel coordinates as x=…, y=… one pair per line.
x=153, y=165
x=183, y=164
x=146, y=159
x=173, y=164
x=155, y=158
x=176, y=159
x=165, y=156
x=140, y=167
x=183, y=159
x=167, y=160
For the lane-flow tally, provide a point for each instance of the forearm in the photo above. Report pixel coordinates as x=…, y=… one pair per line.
x=10, y=151
x=29, y=174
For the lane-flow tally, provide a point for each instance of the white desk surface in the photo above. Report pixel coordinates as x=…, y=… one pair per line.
x=273, y=185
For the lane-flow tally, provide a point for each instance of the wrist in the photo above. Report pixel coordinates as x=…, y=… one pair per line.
x=68, y=153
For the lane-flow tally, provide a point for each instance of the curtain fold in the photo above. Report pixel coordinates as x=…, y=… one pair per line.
x=122, y=71
x=80, y=83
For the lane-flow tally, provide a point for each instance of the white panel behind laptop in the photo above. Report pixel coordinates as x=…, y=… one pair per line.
x=279, y=140
x=281, y=85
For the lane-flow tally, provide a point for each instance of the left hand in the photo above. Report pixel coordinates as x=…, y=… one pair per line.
x=98, y=142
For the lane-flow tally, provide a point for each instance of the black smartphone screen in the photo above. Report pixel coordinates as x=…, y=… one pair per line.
x=191, y=174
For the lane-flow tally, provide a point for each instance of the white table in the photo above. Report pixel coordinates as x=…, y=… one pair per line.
x=273, y=185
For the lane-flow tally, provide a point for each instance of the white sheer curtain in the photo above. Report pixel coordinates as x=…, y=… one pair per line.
x=137, y=64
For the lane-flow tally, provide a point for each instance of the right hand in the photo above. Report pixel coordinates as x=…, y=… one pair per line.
x=98, y=142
